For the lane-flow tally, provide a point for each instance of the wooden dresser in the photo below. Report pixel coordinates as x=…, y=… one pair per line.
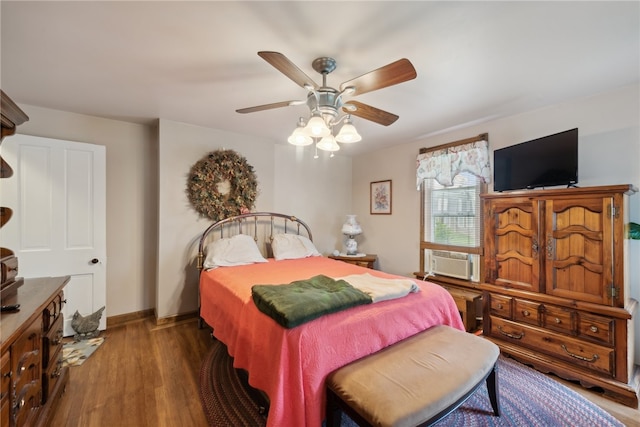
x=32, y=376
x=556, y=291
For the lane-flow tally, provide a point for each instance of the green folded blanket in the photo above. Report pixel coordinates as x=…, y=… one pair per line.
x=301, y=301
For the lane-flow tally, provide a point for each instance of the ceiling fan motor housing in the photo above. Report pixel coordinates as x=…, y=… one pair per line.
x=327, y=101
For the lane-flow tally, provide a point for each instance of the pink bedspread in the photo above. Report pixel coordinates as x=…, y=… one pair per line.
x=290, y=365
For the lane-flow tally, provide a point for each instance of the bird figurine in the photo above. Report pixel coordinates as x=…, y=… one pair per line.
x=86, y=326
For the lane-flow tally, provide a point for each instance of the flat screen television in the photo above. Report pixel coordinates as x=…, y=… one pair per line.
x=544, y=162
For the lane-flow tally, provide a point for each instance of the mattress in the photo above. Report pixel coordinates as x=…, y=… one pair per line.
x=290, y=365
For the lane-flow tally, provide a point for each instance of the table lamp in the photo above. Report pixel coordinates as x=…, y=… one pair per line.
x=351, y=228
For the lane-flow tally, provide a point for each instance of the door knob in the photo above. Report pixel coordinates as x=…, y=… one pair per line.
x=95, y=261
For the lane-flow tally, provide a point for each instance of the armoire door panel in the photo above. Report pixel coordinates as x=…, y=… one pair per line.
x=514, y=244
x=578, y=249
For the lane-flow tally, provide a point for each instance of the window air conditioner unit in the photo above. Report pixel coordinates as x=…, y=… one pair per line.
x=453, y=264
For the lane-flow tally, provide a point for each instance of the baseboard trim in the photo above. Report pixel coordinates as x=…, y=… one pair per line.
x=162, y=321
x=144, y=314
x=121, y=319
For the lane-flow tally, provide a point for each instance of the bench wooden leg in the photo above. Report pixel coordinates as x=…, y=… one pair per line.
x=333, y=413
x=492, y=388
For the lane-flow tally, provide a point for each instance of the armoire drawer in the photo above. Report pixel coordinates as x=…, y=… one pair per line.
x=500, y=306
x=527, y=312
x=575, y=351
x=597, y=328
x=559, y=319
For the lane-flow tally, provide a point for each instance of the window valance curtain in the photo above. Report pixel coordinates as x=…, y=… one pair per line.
x=443, y=164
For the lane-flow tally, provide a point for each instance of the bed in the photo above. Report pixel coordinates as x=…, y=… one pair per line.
x=290, y=364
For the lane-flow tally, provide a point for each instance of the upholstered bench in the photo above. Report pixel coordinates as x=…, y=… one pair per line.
x=414, y=382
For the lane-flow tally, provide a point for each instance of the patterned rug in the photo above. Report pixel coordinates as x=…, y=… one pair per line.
x=527, y=398
x=75, y=353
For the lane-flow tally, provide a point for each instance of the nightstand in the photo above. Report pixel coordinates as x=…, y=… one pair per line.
x=367, y=260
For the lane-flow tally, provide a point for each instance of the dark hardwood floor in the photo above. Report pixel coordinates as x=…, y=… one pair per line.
x=144, y=375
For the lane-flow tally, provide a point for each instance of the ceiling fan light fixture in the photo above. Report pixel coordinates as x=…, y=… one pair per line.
x=316, y=127
x=328, y=143
x=348, y=133
x=299, y=137
x=326, y=103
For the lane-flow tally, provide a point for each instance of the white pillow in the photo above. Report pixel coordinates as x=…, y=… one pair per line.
x=240, y=249
x=292, y=246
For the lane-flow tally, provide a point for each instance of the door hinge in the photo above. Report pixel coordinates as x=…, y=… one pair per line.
x=613, y=292
x=613, y=211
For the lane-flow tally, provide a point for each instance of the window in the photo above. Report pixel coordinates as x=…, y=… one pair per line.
x=451, y=215
x=451, y=178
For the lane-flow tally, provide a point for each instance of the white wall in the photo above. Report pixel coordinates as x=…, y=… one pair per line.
x=318, y=191
x=609, y=153
x=289, y=181
x=131, y=230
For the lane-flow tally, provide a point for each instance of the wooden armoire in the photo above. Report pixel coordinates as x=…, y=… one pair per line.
x=556, y=286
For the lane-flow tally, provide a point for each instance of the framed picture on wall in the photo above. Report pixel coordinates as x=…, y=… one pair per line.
x=381, y=197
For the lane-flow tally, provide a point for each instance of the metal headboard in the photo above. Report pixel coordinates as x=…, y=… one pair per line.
x=242, y=224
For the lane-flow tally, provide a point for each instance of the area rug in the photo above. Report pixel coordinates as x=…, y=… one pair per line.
x=75, y=353
x=527, y=398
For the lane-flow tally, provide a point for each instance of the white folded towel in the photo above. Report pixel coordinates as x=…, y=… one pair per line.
x=381, y=289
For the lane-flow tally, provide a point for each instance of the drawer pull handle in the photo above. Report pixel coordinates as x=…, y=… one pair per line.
x=514, y=336
x=576, y=356
x=21, y=366
x=58, y=338
x=526, y=313
x=558, y=321
x=500, y=306
x=594, y=329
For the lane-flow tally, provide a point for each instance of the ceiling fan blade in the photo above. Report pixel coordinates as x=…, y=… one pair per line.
x=269, y=106
x=288, y=68
x=368, y=112
x=391, y=74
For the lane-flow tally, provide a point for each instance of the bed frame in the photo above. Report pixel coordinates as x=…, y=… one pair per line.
x=262, y=226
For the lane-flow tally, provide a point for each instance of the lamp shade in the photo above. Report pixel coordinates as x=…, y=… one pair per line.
x=348, y=133
x=299, y=136
x=328, y=143
x=351, y=227
x=317, y=128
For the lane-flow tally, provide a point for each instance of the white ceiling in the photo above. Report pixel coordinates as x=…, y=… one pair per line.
x=197, y=62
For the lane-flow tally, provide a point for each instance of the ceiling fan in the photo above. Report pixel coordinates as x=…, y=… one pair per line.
x=326, y=103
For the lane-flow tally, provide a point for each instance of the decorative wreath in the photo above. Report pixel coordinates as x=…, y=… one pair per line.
x=222, y=184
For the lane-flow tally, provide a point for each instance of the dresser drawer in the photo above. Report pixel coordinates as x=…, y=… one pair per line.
x=597, y=328
x=559, y=319
x=500, y=306
x=26, y=357
x=52, y=311
x=52, y=342
x=572, y=350
x=27, y=403
x=527, y=312
x=5, y=388
x=52, y=374
x=5, y=376
x=4, y=412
